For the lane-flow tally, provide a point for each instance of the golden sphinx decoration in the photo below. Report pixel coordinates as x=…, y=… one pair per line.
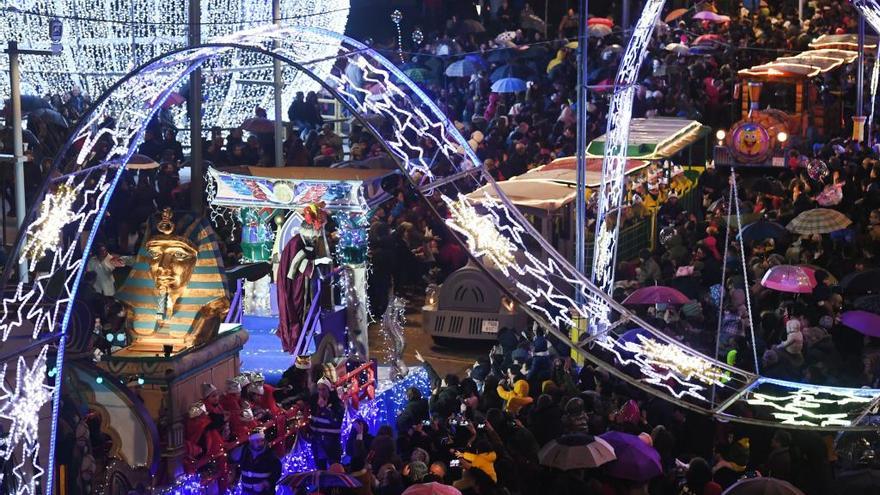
x=176, y=293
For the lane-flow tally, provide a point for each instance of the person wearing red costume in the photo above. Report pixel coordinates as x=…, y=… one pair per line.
x=202, y=437
x=262, y=396
x=243, y=423
x=231, y=400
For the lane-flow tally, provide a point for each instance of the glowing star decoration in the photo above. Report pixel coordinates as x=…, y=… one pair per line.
x=418, y=36
x=669, y=367
x=804, y=407
x=20, y=409
x=56, y=211
x=674, y=358
x=481, y=233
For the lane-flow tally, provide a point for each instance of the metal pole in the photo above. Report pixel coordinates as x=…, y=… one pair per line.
x=801, y=12
x=197, y=184
x=17, y=146
x=546, y=18
x=279, y=89
x=580, y=200
x=860, y=75
x=624, y=21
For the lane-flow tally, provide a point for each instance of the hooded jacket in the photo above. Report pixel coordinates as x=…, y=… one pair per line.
x=517, y=398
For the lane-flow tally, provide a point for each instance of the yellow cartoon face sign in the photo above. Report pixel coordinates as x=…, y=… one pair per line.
x=750, y=142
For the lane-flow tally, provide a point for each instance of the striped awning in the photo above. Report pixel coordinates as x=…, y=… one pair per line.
x=655, y=138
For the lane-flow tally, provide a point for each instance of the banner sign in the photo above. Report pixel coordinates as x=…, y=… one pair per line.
x=266, y=192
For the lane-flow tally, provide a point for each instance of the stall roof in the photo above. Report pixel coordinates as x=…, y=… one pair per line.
x=804, y=65
x=843, y=42
x=548, y=188
x=655, y=138
x=311, y=173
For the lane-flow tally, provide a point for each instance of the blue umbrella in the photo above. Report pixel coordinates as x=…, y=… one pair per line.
x=509, y=70
x=478, y=60
x=509, y=85
x=462, y=68
x=763, y=229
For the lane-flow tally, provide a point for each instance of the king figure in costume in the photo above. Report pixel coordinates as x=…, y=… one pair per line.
x=296, y=276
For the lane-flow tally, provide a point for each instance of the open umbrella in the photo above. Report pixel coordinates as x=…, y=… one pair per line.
x=511, y=70
x=598, y=31
x=788, y=278
x=49, y=116
x=509, y=85
x=506, y=37
x=675, y=14
x=470, y=26
x=811, y=272
x=708, y=15
x=477, y=60
x=534, y=52
x=432, y=488
x=317, y=480
x=418, y=74
x=462, y=68
x=600, y=21
x=863, y=282
x=708, y=39
x=818, y=221
x=576, y=451
x=678, y=48
x=858, y=482
x=762, y=486
x=259, y=125
x=636, y=460
x=501, y=55
x=533, y=22
x=862, y=321
x=141, y=162
x=868, y=303
x=656, y=294
x=763, y=229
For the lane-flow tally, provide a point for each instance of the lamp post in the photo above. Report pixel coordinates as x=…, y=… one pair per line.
x=278, y=85
x=197, y=184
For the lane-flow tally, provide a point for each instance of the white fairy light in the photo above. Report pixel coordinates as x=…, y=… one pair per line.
x=674, y=358
x=20, y=407
x=55, y=213
x=102, y=43
x=481, y=233
x=801, y=407
x=396, y=17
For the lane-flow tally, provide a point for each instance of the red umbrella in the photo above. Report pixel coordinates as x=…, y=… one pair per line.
x=675, y=14
x=259, y=125
x=790, y=278
x=862, y=321
x=710, y=16
x=707, y=39
x=600, y=20
x=656, y=295
x=432, y=488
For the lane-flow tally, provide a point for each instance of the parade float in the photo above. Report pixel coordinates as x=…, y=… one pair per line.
x=785, y=102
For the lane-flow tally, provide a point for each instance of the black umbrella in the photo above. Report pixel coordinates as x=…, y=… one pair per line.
x=860, y=482
x=763, y=229
x=470, y=26
x=863, y=282
x=49, y=116
x=511, y=70
x=501, y=55
x=868, y=303
x=534, y=52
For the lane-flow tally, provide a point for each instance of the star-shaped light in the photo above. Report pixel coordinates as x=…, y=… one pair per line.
x=56, y=211
x=481, y=232
x=20, y=408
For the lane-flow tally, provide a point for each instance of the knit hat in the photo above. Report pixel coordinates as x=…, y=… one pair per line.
x=232, y=386
x=325, y=382
x=417, y=470
x=303, y=362
x=208, y=389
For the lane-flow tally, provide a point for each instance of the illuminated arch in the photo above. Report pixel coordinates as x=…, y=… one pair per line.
x=504, y=243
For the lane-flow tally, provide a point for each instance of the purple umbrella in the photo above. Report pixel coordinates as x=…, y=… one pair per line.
x=789, y=278
x=636, y=460
x=862, y=321
x=656, y=294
